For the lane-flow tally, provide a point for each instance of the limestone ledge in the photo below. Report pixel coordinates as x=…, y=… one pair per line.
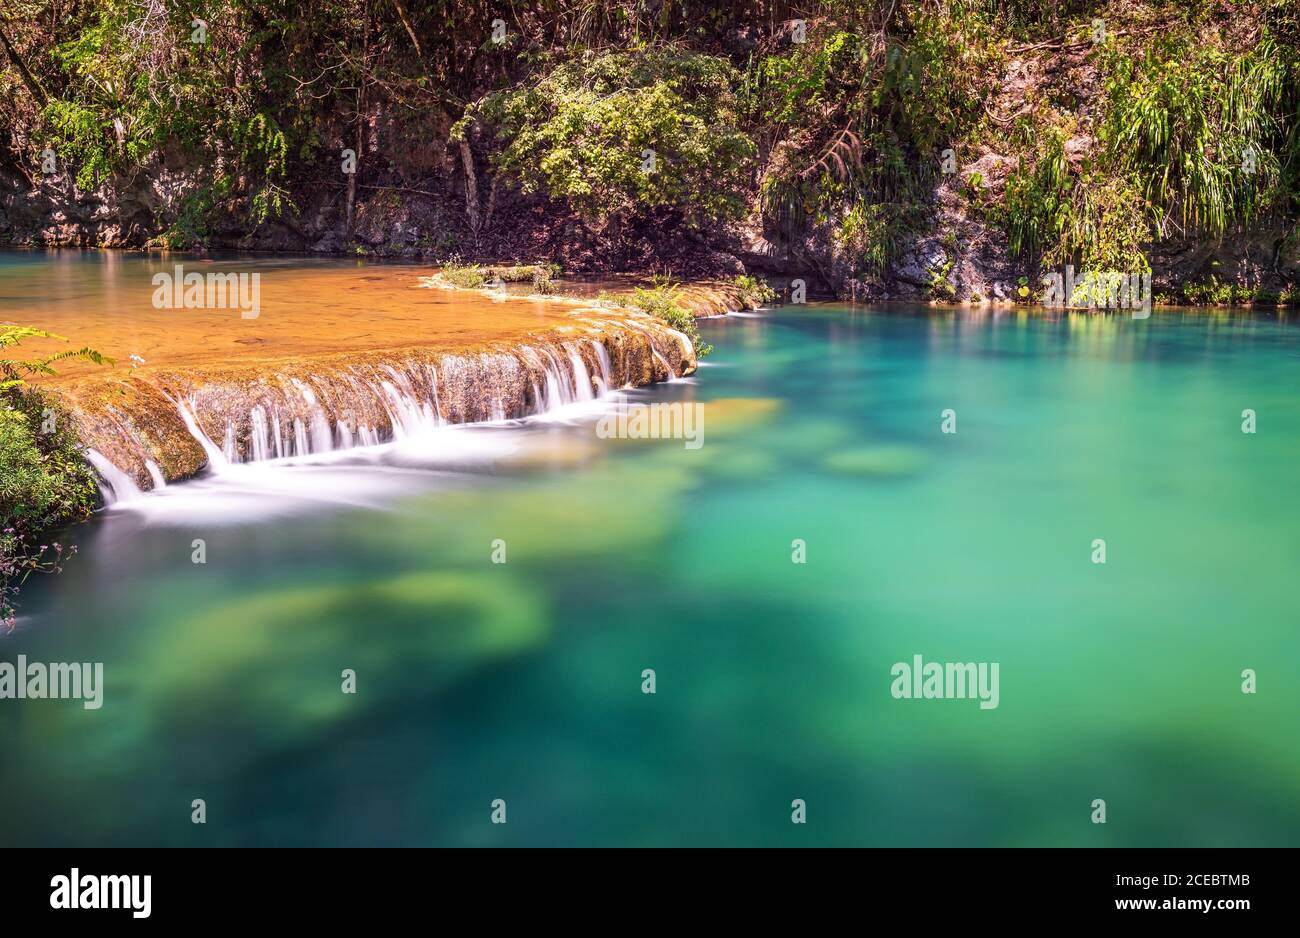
x=281, y=407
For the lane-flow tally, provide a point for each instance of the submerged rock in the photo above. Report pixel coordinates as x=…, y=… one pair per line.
x=734, y=415
x=740, y=464
x=811, y=437
x=406, y=638
x=885, y=461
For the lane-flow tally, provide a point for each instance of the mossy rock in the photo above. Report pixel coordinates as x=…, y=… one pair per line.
x=729, y=416
x=283, y=652
x=877, y=461
x=811, y=437
x=739, y=464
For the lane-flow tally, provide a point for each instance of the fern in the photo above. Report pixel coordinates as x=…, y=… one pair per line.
x=13, y=370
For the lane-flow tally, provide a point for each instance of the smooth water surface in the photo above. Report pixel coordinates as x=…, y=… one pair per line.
x=303, y=307
x=523, y=680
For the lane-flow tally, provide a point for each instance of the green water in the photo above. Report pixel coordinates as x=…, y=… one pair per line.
x=523, y=681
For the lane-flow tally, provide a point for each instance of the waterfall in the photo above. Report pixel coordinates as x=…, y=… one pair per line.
x=606, y=366
x=170, y=425
x=155, y=474
x=115, y=485
x=557, y=385
x=555, y=396
x=215, y=456
x=433, y=384
x=260, y=438
x=663, y=361
x=581, y=380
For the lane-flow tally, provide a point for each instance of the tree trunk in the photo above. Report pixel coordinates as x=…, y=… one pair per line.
x=492, y=203
x=30, y=80
x=471, y=187
x=410, y=31
x=361, y=125
x=352, y=177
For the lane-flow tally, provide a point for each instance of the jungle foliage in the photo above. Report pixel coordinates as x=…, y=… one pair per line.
x=622, y=132
x=823, y=118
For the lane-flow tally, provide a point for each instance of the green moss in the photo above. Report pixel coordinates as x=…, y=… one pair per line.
x=442, y=625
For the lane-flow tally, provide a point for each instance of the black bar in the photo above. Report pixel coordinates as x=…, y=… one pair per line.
x=334, y=888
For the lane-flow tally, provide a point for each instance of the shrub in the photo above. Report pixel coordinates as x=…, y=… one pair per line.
x=1187, y=113
x=859, y=119
x=941, y=287
x=468, y=276
x=543, y=282
x=44, y=480
x=755, y=291
x=620, y=300
x=617, y=133
x=520, y=273
x=1094, y=218
x=663, y=299
x=44, y=483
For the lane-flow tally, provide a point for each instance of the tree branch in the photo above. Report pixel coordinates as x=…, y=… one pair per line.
x=30, y=80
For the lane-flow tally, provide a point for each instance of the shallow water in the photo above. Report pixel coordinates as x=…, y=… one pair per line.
x=523, y=680
x=304, y=307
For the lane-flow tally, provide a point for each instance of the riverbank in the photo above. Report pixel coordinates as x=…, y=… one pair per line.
x=1118, y=135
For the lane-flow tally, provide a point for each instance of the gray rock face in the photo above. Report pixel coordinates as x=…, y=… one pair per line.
x=922, y=264
x=55, y=212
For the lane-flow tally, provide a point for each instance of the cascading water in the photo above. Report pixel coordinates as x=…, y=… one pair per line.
x=216, y=458
x=115, y=485
x=261, y=434
x=155, y=474
x=581, y=380
x=606, y=366
x=557, y=384
x=250, y=415
x=663, y=361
